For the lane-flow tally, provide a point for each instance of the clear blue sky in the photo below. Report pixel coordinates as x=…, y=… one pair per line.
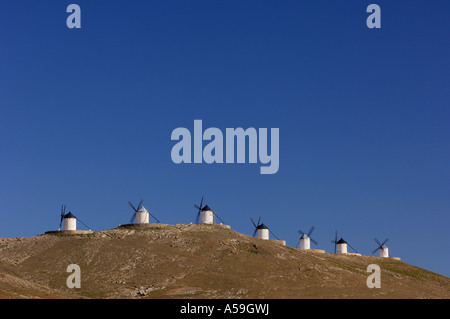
x=87, y=115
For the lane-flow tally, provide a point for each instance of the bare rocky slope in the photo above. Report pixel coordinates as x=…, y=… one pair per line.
x=197, y=261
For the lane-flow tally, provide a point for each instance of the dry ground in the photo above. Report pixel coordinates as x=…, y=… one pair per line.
x=197, y=261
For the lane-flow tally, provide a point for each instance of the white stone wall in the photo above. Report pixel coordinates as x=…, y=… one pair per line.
x=342, y=248
x=262, y=233
x=384, y=252
x=305, y=243
x=142, y=217
x=70, y=224
x=207, y=217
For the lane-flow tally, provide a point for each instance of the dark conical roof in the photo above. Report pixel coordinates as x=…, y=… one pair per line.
x=262, y=226
x=69, y=215
x=341, y=241
x=206, y=208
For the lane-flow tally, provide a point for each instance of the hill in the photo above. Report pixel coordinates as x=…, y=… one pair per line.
x=197, y=261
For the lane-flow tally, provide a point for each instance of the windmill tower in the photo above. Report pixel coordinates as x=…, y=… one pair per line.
x=342, y=246
x=206, y=214
x=261, y=231
x=305, y=239
x=141, y=214
x=69, y=220
x=383, y=250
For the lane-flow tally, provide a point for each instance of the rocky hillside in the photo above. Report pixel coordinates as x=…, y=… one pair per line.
x=197, y=261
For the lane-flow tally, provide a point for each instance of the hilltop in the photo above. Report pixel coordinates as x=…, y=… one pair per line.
x=197, y=261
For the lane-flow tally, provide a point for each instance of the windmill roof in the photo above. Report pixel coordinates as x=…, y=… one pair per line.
x=69, y=215
x=341, y=241
x=206, y=208
x=262, y=226
x=142, y=209
x=304, y=236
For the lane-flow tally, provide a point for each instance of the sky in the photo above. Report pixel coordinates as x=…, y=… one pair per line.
x=363, y=115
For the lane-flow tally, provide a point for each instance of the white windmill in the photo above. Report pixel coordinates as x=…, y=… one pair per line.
x=340, y=246
x=384, y=251
x=141, y=214
x=305, y=239
x=262, y=231
x=205, y=214
x=69, y=220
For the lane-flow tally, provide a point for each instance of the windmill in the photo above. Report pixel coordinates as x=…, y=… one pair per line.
x=206, y=214
x=69, y=220
x=140, y=214
x=384, y=251
x=261, y=230
x=305, y=239
x=340, y=246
